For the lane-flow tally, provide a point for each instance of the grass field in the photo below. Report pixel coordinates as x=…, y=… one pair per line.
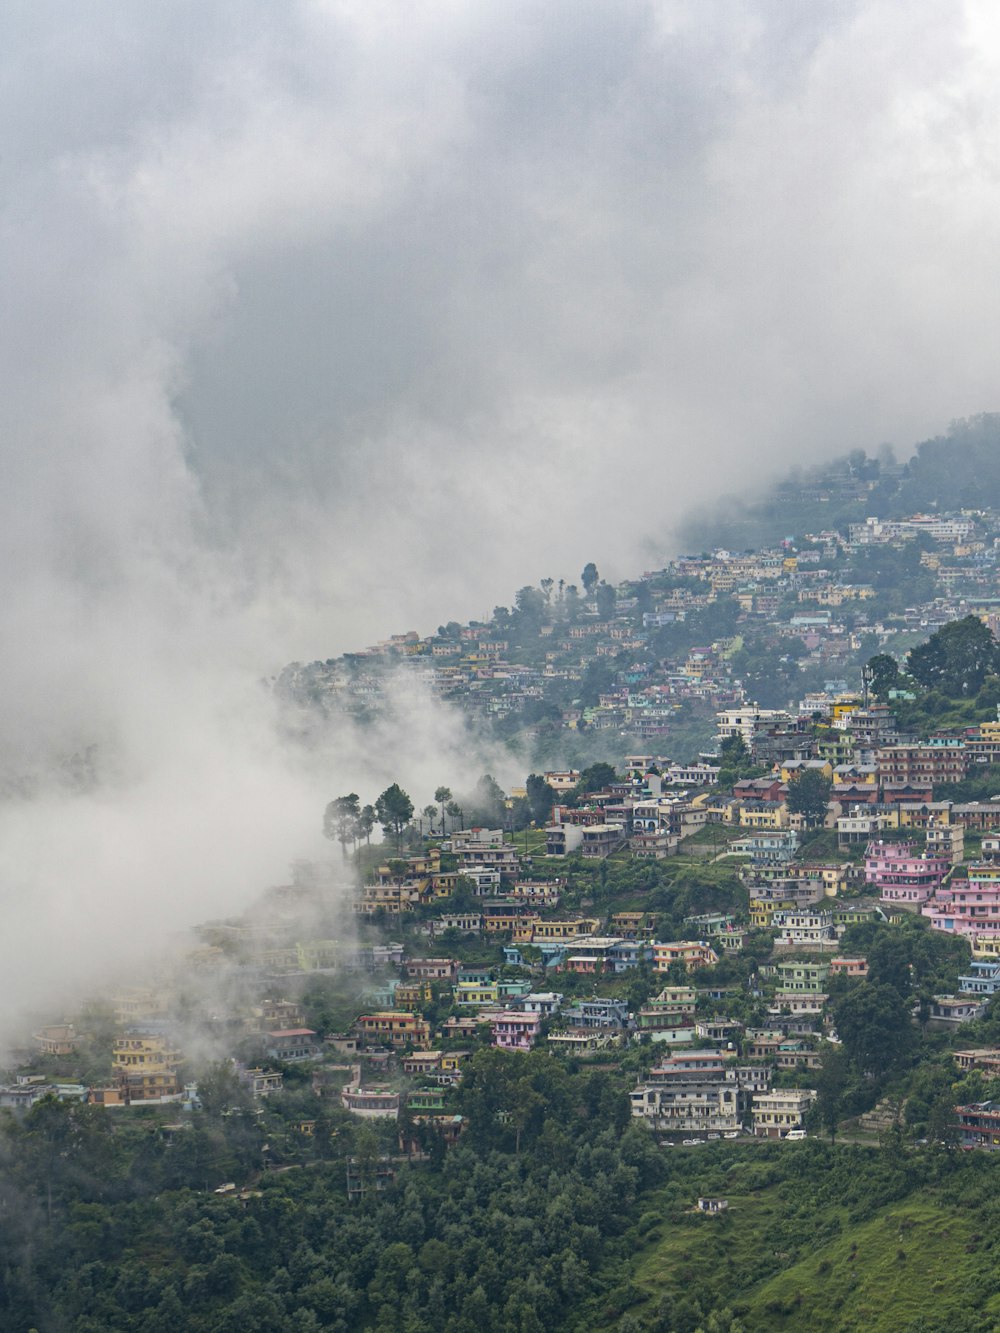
x=914, y=1262
x=779, y=1262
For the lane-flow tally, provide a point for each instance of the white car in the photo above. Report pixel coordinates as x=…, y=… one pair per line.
x=795, y=1135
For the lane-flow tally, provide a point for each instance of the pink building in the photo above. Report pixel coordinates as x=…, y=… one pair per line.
x=515, y=1031
x=849, y=967
x=692, y=953
x=901, y=875
x=967, y=906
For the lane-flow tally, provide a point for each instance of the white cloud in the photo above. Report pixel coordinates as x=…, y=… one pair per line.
x=327, y=320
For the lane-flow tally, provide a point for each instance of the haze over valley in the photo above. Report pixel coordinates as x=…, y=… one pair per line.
x=327, y=323
x=339, y=320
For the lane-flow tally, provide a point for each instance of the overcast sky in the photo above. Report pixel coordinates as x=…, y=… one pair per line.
x=323, y=321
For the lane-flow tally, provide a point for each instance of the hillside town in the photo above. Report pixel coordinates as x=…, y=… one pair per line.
x=573, y=937
x=597, y=669
x=732, y=943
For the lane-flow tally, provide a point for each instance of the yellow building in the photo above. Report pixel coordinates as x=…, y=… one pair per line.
x=520, y=924
x=145, y=1067
x=764, y=816
x=412, y=995
x=565, y=930
x=794, y=767
x=315, y=954
x=762, y=912
x=476, y=993
x=843, y=708
x=396, y=1028
x=137, y=1004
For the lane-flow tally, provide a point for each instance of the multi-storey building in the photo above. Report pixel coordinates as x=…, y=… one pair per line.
x=947, y=840
x=598, y=954
x=776, y=847
x=138, y=1004
x=377, y=1103
x=745, y=722
x=849, y=967
x=799, y=974
x=691, y=953
x=669, y=1016
x=395, y=1028
x=808, y=930
x=986, y=1058
x=984, y=747
x=413, y=995
x=292, y=1044
x=979, y=1125
x=573, y=929
x=968, y=906
x=779, y=1110
x=934, y=762
x=600, y=840
x=688, y=1109
x=56, y=1039
x=903, y=876
x=983, y=978
x=517, y=922
x=432, y=969
x=145, y=1067
x=697, y=1092
x=597, y=1012
x=515, y=1031
x=860, y=826
x=780, y=895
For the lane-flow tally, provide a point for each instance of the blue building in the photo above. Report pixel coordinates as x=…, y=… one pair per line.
x=983, y=978
x=598, y=1012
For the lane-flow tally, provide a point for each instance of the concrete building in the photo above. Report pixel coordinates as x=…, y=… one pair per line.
x=779, y=1110
x=902, y=876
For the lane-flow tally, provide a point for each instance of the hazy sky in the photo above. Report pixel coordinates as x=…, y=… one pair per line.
x=327, y=320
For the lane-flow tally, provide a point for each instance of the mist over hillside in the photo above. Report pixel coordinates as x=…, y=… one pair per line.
x=957, y=469
x=322, y=321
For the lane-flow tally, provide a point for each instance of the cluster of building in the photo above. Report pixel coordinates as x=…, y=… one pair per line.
x=714, y=1094
x=805, y=593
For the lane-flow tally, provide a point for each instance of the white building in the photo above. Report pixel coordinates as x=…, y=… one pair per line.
x=778, y=1110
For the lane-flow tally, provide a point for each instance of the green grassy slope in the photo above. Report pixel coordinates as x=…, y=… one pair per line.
x=913, y=1263
x=790, y=1256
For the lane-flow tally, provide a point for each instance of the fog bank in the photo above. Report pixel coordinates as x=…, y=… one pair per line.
x=324, y=321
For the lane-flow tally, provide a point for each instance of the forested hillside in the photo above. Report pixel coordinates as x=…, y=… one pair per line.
x=957, y=470
x=479, y=1078
x=558, y=1221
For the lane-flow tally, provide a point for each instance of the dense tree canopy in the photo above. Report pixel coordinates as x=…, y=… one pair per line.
x=394, y=810
x=884, y=674
x=595, y=778
x=956, y=659
x=873, y=1021
x=808, y=794
x=341, y=819
x=541, y=798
